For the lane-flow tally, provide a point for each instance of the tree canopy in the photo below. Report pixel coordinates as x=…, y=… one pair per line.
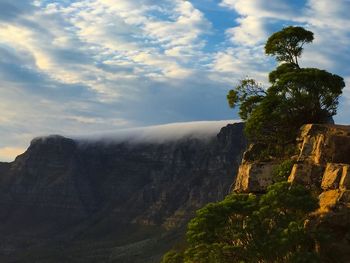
x=249, y=228
x=287, y=45
x=296, y=96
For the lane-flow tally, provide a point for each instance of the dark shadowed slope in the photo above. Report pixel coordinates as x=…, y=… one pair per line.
x=117, y=202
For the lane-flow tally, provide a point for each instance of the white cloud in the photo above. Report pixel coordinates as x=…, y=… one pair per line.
x=250, y=32
x=129, y=31
x=253, y=17
x=162, y=133
x=151, y=134
x=85, y=33
x=282, y=9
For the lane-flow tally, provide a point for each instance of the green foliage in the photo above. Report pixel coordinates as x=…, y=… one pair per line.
x=248, y=228
x=287, y=44
x=296, y=96
x=312, y=94
x=214, y=234
x=269, y=122
x=172, y=257
x=282, y=171
x=247, y=94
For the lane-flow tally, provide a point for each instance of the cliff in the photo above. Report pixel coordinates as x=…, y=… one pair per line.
x=110, y=202
x=322, y=165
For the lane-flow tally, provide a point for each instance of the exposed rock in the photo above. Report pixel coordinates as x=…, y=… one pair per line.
x=254, y=177
x=327, y=147
x=307, y=174
x=251, y=154
x=323, y=166
x=324, y=157
x=323, y=161
x=335, y=176
x=344, y=183
x=329, y=199
x=318, y=145
x=321, y=144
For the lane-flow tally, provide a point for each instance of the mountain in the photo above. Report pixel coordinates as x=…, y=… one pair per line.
x=67, y=200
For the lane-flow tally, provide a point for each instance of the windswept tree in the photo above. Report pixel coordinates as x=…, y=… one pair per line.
x=296, y=96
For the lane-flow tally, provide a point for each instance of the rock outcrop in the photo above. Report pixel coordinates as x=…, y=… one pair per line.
x=254, y=177
x=321, y=144
x=323, y=165
x=116, y=202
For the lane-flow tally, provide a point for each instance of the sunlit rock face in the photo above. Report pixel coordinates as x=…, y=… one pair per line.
x=83, y=195
x=324, y=159
x=254, y=177
x=321, y=166
x=336, y=176
x=321, y=144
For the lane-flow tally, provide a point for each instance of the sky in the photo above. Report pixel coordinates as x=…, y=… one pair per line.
x=75, y=67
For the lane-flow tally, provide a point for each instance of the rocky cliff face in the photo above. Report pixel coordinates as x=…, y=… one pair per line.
x=324, y=155
x=323, y=165
x=107, y=202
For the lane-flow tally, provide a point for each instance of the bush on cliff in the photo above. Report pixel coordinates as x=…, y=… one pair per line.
x=282, y=171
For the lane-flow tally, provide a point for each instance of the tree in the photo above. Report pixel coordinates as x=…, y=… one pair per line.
x=172, y=256
x=287, y=44
x=248, y=228
x=311, y=93
x=296, y=96
x=248, y=94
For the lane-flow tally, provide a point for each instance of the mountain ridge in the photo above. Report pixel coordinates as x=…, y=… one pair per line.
x=63, y=191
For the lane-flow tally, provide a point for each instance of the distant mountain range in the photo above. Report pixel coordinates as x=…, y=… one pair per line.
x=85, y=200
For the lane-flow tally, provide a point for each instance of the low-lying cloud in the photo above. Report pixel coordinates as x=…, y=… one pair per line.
x=160, y=133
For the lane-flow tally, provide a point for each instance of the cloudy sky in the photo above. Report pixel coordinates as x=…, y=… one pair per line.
x=88, y=66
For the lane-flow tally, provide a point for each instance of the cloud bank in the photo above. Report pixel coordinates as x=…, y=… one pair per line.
x=202, y=130
x=160, y=133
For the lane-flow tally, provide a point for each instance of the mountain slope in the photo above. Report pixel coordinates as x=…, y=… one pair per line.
x=110, y=202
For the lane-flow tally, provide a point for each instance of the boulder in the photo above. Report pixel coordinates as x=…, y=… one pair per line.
x=333, y=175
x=329, y=199
x=254, y=177
x=324, y=143
x=307, y=174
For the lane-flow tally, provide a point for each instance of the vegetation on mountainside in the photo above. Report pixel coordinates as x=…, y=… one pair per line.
x=296, y=96
x=249, y=228
x=282, y=171
x=271, y=227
